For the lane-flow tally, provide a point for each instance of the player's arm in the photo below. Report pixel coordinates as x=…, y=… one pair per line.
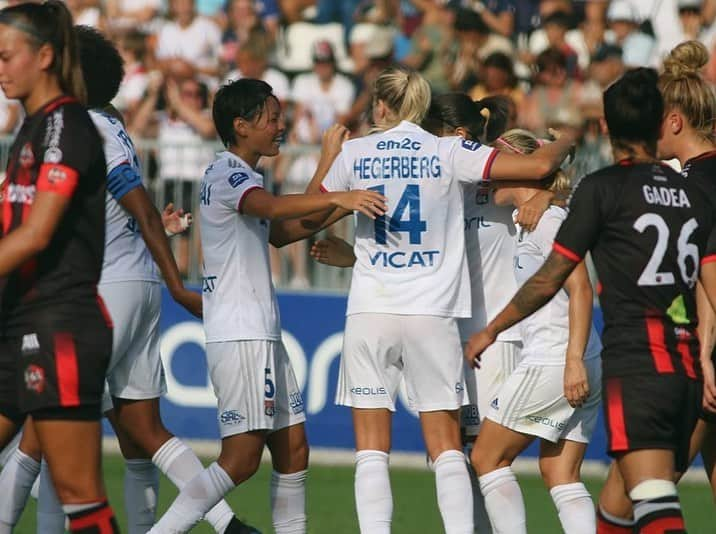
x=579, y=288
x=333, y=251
x=535, y=166
x=138, y=204
x=534, y=294
x=707, y=277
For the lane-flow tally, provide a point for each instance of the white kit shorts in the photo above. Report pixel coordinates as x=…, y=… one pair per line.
x=380, y=349
x=255, y=386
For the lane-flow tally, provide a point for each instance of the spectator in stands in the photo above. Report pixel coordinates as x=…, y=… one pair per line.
x=498, y=78
x=188, y=44
x=557, y=30
x=691, y=25
x=623, y=23
x=605, y=68
x=87, y=13
x=499, y=15
x=554, y=96
x=343, y=11
x=243, y=22
x=556, y=26
x=474, y=43
x=184, y=130
x=138, y=14
x=11, y=113
x=252, y=61
x=132, y=47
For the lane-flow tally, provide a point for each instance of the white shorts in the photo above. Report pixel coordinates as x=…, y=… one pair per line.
x=135, y=370
x=483, y=384
x=255, y=386
x=379, y=349
x=532, y=402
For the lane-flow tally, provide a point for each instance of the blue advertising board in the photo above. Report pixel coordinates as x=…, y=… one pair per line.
x=312, y=332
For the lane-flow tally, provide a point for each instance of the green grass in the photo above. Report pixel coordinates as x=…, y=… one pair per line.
x=331, y=509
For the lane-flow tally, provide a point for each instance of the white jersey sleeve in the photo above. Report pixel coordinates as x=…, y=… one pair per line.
x=470, y=161
x=237, y=290
x=338, y=177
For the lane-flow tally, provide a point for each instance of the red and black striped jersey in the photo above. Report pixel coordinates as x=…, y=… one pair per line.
x=648, y=229
x=59, y=150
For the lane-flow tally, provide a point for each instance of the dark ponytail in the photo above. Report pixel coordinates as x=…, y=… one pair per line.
x=51, y=23
x=484, y=120
x=495, y=110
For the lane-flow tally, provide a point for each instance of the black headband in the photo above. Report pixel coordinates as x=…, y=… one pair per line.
x=19, y=24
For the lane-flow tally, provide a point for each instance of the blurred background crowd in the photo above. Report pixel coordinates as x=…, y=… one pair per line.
x=552, y=58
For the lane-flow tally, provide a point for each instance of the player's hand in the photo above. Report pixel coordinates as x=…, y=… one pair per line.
x=576, y=383
x=175, y=222
x=190, y=300
x=332, y=143
x=709, y=397
x=369, y=203
x=333, y=251
x=529, y=214
x=476, y=346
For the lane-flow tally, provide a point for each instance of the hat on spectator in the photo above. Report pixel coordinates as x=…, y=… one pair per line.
x=322, y=52
x=689, y=5
x=622, y=10
x=606, y=51
x=376, y=40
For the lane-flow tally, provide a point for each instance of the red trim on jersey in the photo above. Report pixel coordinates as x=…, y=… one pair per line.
x=626, y=162
x=663, y=525
x=101, y=519
x=708, y=259
x=52, y=106
x=657, y=345
x=567, y=253
x=605, y=527
x=324, y=190
x=600, y=287
x=68, y=377
x=705, y=155
x=103, y=310
x=57, y=178
x=6, y=208
x=488, y=165
x=618, y=440
x=240, y=206
x=687, y=359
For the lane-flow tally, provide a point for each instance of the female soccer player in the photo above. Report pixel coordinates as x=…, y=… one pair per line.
x=259, y=400
x=554, y=392
x=651, y=234
x=408, y=282
x=690, y=109
x=135, y=239
x=57, y=335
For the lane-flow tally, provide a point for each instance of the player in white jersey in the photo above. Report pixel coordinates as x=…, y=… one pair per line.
x=259, y=400
x=409, y=287
x=130, y=286
x=554, y=392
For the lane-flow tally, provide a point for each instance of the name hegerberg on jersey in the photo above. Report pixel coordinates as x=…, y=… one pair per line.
x=416, y=243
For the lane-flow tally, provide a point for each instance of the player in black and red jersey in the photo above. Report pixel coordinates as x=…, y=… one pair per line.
x=690, y=108
x=56, y=334
x=650, y=232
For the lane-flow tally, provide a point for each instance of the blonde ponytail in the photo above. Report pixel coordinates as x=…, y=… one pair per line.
x=406, y=95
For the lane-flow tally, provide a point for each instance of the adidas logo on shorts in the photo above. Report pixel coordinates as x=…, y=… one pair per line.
x=30, y=343
x=495, y=404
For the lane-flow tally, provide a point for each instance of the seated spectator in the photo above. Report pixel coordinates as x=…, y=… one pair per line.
x=474, y=43
x=554, y=96
x=623, y=22
x=368, y=41
x=556, y=27
x=557, y=30
x=498, y=78
x=691, y=25
x=252, y=62
x=499, y=15
x=188, y=44
x=605, y=68
x=137, y=14
x=243, y=22
x=133, y=49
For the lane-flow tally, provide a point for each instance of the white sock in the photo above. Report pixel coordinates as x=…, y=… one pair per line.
x=50, y=517
x=288, y=502
x=197, y=497
x=480, y=519
x=16, y=480
x=504, y=502
x=374, y=500
x=575, y=508
x=141, y=487
x=179, y=463
x=454, y=494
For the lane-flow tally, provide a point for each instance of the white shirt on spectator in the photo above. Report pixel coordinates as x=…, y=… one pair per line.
x=275, y=78
x=183, y=153
x=198, y=43
x=133, y=86
x=324, y=105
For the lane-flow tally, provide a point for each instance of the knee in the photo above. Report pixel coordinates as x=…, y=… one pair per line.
x=296, y=460
x=76, y=489
x=485, y=459
x=555, y=475
x=240, y=467
x=142, y=437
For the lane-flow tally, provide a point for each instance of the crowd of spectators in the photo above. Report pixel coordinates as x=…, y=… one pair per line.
x=552, y=58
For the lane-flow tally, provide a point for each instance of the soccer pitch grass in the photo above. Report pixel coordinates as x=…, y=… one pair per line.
x=331, y=510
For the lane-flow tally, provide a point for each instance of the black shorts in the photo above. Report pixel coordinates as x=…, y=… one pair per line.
x=8, y=390
x=651, y=412
x=61, y=366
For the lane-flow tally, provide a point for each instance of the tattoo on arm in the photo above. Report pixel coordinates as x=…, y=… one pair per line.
x=536, y=292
